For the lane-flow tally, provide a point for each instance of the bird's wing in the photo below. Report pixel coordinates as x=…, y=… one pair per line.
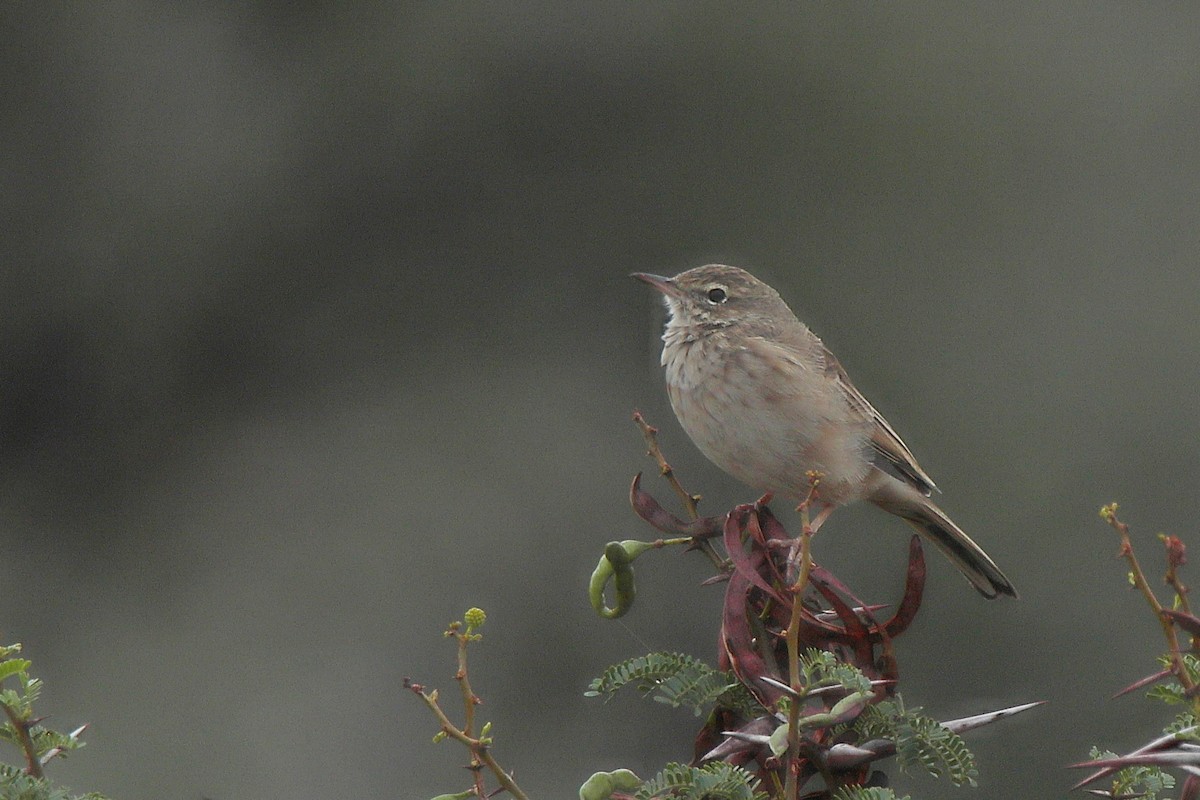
x=891, y=453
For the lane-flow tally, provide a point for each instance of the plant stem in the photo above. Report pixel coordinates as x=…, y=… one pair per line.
x=33, y=765
x=650, y=434
x=791, y=789
x=464, y=684
x=479, y=749
x=1139, y=580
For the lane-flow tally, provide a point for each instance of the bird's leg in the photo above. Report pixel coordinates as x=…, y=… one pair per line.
x=793, y=560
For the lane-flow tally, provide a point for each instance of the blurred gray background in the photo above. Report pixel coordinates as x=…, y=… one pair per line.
x=317, y=330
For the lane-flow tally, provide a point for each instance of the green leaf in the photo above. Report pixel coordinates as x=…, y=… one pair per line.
x=920, y=741
x=676, y=680
x=716, y=780
x=822, y=668
x=1169, y=693
x=1142, y=782
x=866, y=793
x=12, y=667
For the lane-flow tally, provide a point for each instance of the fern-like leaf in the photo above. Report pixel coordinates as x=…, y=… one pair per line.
x=713, y=781
x=677, y=680
x=1185, y=721
x=942, y=752
x=920, y=740
x=822, y=668
x=866, y=793
x=1142, y=782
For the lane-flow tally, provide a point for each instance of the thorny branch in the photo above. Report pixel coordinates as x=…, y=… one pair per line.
x=689, y=501
x=1109, y=513
x=479, y=746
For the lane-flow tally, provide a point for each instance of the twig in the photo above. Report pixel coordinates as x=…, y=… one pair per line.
x=689, y=501
x=1176, y=558
x=470, y=699
x=478, y=746
x=1109, y=514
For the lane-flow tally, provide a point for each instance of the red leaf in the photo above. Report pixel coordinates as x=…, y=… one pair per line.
x=649, y=509
x=737, y=640
x=749, y=565
x=914, y=587
x=859, y=634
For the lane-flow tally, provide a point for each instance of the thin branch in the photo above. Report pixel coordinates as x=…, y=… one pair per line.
x=478, y=747
x=470, y=700
x=1176, y=558
x=689, y=501
x=1109, y=514
x=791, y=789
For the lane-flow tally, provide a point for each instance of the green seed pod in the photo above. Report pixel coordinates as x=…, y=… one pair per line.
x=602, y=784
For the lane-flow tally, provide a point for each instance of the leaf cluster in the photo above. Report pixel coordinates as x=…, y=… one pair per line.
x=866, y=793
x=16, y=785
x=821, y=668
x=921, y=741
x=36, y=743
x=1143, y=782
x=676, y=680
x=716, y=780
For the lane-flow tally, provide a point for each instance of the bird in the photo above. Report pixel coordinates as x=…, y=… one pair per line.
x=766, y=401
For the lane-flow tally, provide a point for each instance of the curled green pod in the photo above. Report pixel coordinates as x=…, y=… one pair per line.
x=617, y=565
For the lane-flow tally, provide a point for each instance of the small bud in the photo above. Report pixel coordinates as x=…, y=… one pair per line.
x=487, y=728
x=475, y=617
x=439, y=736
x=1109, y=512
x=1176, y=550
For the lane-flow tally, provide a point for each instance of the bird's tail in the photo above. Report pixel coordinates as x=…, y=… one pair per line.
x=932, y=523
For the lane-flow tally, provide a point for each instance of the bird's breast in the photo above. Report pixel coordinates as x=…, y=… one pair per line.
x=765, y=423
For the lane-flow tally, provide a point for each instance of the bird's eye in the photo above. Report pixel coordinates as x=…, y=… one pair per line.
x=717, y=295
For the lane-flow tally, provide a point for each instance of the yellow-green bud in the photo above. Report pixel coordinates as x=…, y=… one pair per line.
x=439, y=736
x=475, y=617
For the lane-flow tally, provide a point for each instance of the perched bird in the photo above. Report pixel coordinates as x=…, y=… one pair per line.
x=766, y=401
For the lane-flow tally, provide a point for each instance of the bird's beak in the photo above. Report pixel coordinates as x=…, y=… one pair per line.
x=664, y=285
